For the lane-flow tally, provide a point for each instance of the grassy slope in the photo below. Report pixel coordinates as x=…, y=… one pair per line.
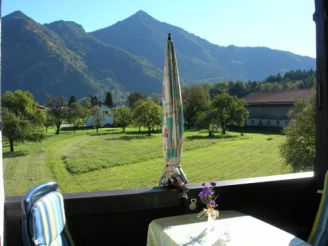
x=115, y=161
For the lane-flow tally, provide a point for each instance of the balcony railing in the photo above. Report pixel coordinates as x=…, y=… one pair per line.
x=122, y=217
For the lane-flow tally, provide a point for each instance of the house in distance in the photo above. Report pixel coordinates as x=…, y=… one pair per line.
x=270, y=109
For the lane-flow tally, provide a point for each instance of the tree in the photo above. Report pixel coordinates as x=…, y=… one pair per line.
x=299, y=146
x=58, y=109
x=122, y=117
x=230, y=110
x=71, y=100
x=98, y=117
x=13, y=128
x=134, y=97
x=208, y=120
x=218, y=88
x=49, y=121
x=22, y=120
x=136, y=117
x=86, y=102
x=238, y=89
x=94, y=101
x=109, y=100
x=240, y=114
x=195, y=100
x=148, y=114
x=76, y=115
x=224, y=105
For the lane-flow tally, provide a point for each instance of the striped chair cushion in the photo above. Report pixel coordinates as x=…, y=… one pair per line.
x=319, y=233
x=48, y=220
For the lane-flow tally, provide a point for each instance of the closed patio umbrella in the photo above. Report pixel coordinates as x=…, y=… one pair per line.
x=172, y=122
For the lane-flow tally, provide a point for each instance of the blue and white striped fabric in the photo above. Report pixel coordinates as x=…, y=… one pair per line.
x=48, y=220
x=319, y=233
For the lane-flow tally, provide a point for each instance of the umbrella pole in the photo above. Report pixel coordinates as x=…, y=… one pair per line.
x=173, y=176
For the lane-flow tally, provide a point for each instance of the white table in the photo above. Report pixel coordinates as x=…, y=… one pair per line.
x=231, y=229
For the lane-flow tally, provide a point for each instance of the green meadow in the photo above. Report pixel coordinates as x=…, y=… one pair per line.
x=87, y=161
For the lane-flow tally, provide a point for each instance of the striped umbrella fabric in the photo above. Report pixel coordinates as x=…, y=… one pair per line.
x=172, y=122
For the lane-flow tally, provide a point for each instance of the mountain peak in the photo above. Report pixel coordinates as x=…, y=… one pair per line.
x=17, y=14
x=65, y=26
x=141, y=15
x=65, y=23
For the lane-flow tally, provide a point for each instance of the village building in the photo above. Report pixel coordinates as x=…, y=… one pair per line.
x=270, y=109
x=107, y=117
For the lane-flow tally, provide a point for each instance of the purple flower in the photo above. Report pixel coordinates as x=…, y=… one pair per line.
x=207, y=190
x=202, y=195
x=213, y=183
x=206, y=193
x=212, y=203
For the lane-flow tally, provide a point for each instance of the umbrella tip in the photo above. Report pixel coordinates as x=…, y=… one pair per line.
x=169, y=37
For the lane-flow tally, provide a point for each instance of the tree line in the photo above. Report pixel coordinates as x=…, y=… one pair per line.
x=200, y=111
x=140, y=111
x=211, y=113
x=292, y=80
x=23, y=119
x=206, y=106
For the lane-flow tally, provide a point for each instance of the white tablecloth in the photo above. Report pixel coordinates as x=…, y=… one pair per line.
x=231, y=229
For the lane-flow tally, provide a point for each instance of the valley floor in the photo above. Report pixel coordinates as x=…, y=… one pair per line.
x=86, y=161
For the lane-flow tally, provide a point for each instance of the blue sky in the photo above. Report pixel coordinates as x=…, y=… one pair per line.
x=278, y=24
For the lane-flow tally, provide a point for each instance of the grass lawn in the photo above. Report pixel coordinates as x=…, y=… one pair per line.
x=86, y=161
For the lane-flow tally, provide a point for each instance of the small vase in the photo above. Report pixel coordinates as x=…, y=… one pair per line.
x=211, y=217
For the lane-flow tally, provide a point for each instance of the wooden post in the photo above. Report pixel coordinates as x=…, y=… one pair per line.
x=321, y=160
x=2, y=192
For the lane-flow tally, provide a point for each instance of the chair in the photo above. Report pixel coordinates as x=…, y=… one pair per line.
x=319, y=232
x=43, y=217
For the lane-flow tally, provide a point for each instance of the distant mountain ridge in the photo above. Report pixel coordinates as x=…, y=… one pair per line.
x=198, y=59
x=60, y=58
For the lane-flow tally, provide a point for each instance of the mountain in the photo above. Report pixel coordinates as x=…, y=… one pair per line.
x=198, y=59
x=108, y=64
x=36, y=59
x=61, y=58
